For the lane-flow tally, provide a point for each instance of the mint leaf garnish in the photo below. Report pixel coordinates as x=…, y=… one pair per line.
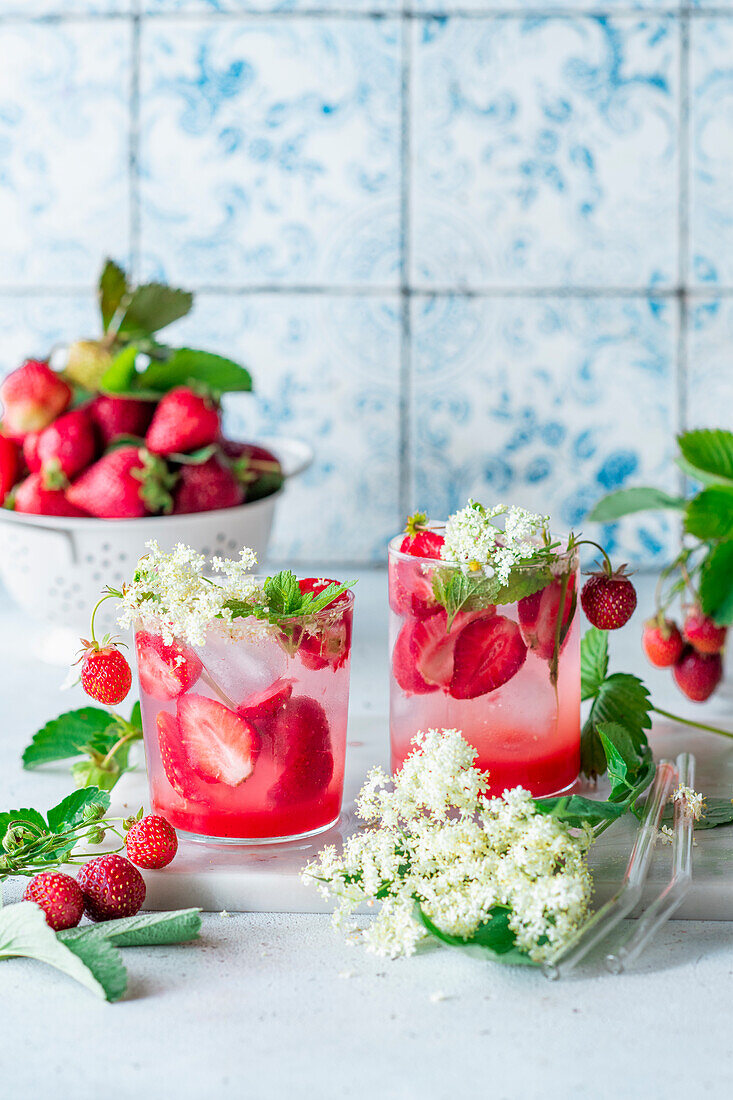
x=142, y=930
x=283, y=599
x=456, y=590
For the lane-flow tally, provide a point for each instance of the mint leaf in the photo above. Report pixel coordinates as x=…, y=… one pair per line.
x=709, y=515
x=593, y=661
x=493, y=939
x=716, y=583
x=112, y=289
x=152, y=307
x=283, y=594
x=709, y=450
x=522, y=582
x=103, y=961
x=25, y=934
x=458, y=591
x=70, y=810
x=624, y=502
x=624, y=759
x=71, y=734
x=122, y=371
x=142, y=930
x=186, y=365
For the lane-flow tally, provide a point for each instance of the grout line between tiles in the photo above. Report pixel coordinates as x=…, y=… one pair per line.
x=489, y=293
x=684, y=229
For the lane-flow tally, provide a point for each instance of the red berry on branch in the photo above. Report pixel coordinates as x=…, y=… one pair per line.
x=112, y=888
x=702, y=633
x=697, y=675
x=662, y=642
x=59, y=896
x=151, y=842
x=608, y=599
x=105, y=674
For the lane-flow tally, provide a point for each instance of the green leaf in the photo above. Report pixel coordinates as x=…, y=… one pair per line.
x=624, y=502
x=194, y=458
x=136, y=718
x=70, y=810
x=186, y=365
x=709, y=515
x=71, y=734
x=457, y=591
x=709, y=450
x=593, y=661
x=575, y=810
x=716, y=583
x=696, y=475
x=87, y=773
x=142, y=930
x=624, y=699
x=153, y=306
x=523, y=582
x=25, y=934
x=104, y=962
x=122, y=372
x=112, y=289
x=12, y=817
x=493, y=939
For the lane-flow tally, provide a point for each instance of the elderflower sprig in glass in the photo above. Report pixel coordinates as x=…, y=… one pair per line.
x=485, y=638
x=442, y=860
x=244, y=686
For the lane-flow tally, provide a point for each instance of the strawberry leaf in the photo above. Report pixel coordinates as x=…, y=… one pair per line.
x=20, y=817
x=709, y=515
x=593, y=661
x=152, y=307
x=121, y=372
x=70, y=810
x=716, y=586
x=71, y=734
x=112, y=289
x=186, y=365
x=624, y=502
x=709, y=450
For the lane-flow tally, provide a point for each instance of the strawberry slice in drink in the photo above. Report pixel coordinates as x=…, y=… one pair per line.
x=410, y=586
x=220, y=746
x=487, y=654
x=301, y=741
x=330, y=642
x=173, y=757
x=265, y=704
x=165, y=670
x=538, y=615
x=404, y=666
x=422, y=660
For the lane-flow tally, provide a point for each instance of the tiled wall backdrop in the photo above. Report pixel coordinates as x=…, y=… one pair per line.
x=476, y=246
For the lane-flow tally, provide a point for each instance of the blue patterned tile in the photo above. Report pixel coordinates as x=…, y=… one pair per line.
x=326, y=370
x=548, y=403
x=153, y=7
x=64, y=129
x=66, y=7
x=293, y=129
x=545, y=152
x=709, y=372
x=711, y=117
x=33, y=326
x=449, y=6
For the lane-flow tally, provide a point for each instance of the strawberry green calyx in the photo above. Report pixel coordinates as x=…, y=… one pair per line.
x=156, y=482
x=416, y=523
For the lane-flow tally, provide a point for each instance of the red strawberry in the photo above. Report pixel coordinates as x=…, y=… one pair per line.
x=220, y=746
x=265, y=704
x=422, y=660
x=698, y=674
x=9, y=465
x=123, y=484
x=112, y=888
x=151, y=842
x=165, y=670
x=256, y=468
x=662, y=643
x=65, y=447
x=33, y=396
x=115, y=416
x=702, y=633
x=538, y=615
x=105, y=674
x=301, y=741
x=59, y=896
x=488, y=653
x=205, y=487
x=404, y=666
x=608, y=599
x=329, y=642
x=32, y=498
x=183, y=421
x=30, y=451
x=173, y=757
x=419, y=540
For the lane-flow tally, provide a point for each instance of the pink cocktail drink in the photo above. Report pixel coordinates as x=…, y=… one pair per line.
x=507, y=675
x=245, y=735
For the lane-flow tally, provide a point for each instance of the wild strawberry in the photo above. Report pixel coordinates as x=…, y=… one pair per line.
x=220, y=746
x=9, y=465
x=183, y=421
x=419, y=540
x=702, y=633
x=205, y=487
x=662, y=642
x=112, y=888
x=123, y=484
x=59, y=896
x=151, y=842
x=488, y=653
x=115, y=416
x=65, y=447
x=33, y=396
x=30, y=451
x=697, y=675
x=257, y=469
x=33, y=498
x=538, y=615
x=105, y=674
x=165, y=670
x=265, y=704
x=608, y=599
x=301, y=742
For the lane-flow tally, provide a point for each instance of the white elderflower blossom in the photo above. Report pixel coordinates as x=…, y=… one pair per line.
x=474, y=541
x=693, y=801
x=438, y=843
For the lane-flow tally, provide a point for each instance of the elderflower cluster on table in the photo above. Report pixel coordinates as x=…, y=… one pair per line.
x=475, y=541
x=442, y=858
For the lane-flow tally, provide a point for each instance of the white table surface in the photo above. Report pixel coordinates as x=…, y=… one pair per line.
x=276, y=1005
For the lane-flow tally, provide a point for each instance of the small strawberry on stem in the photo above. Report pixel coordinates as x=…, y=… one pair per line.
x=608, y=597
x=151, y=842
x=662, y=642
x=105, y=673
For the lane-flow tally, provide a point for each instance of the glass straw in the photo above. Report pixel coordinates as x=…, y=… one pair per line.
x=662, y=908
x=629, y=893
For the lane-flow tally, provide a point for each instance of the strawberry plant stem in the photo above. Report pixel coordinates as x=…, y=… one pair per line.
x=690, y=722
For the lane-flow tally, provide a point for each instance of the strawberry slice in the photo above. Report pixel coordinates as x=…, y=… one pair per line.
x=173, y=756
x=411, y=590
x=538, y=615
x=404, y=666
x=165, y=670
x=265, y=704
x=487, y=654
x=220, y=746
x=329, y=643
x=301, y=740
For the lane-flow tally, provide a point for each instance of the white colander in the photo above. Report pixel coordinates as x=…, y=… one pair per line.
x=54, y=567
